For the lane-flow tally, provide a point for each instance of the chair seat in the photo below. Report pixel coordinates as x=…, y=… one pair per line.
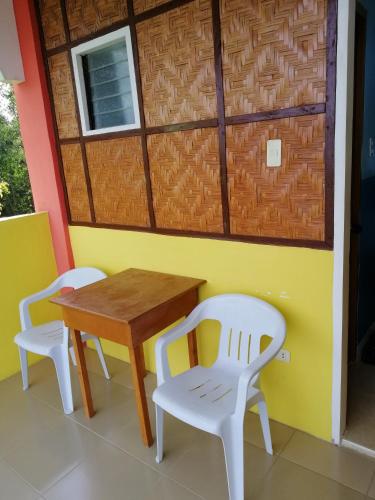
x=201, y=397
x=41, y=339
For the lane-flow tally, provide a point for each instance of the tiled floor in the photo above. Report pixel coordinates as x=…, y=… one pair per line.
x=47, y=455
x=361, y=405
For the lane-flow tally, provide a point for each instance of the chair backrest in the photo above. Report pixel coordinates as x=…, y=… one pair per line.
x=79, y=277
x=244, y=321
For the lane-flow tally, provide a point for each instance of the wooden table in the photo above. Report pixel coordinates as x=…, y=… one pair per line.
x=129, y=308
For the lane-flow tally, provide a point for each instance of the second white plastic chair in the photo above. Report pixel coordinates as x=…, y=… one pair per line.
x=52, y=339
x=215, y=399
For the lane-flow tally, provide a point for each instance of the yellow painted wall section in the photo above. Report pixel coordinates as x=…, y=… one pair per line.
x=298, y=281
x=27, y=266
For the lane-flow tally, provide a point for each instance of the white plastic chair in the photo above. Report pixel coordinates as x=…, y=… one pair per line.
x=215, y=399
x=52, y=339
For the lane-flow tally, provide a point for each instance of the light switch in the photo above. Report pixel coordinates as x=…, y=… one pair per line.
x=371, y=147
x=274, y=153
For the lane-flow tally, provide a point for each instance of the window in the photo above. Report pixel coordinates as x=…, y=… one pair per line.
x=105, y=81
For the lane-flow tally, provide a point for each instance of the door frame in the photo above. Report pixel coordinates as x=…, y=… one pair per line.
x=342, y=203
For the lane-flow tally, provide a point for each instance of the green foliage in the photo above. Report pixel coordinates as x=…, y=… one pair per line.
x=4, y=189
x=15, y=193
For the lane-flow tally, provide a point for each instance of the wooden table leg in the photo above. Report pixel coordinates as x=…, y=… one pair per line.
x=193, y=349
x=142, y=359
x=140, y=394
x=82, y=374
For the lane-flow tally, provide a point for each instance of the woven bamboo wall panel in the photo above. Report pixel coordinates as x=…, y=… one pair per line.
x=185, y=179
x=284, y=202
x=75, y=182
x=118, y=182
x=52, y=22
x=176, y=59
x=88, y=16
x=63, y=95
x=274, y=54
x=142, y=5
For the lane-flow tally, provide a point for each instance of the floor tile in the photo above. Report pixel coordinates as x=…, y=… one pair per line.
x=12, y=487
x=167, y=489
x=115, y=366
x=349, y=468
x=45, y=457
x=46, y=388
x=50, y=455
x=288, y=481
x=280, y=433
x=178, y=437
x=202, y=468
x=124, y=378
x=113, y=409
x=22, y=417
x=371, y=491
x=11, y=389
x=110, y=474
x=361, y=405
x=119, y=370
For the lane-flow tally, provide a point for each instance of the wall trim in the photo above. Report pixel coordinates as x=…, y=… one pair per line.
x=345, y=443
x=342, y=191
x=216, y=32
x=260, y=240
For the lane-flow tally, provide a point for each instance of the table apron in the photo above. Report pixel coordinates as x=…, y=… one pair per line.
x=99, y=326
x=162, y=317
x=137, y=331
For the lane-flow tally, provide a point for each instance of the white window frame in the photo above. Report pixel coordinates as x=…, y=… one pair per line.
x=92, y=46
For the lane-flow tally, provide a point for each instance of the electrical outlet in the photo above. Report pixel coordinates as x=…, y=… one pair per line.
x=284, y=356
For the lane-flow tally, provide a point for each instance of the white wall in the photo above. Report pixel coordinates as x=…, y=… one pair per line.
x=11, y=68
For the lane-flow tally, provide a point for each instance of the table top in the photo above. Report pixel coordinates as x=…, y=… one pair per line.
x=128, y=295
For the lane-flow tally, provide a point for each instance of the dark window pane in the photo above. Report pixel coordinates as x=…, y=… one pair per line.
x=107, y=55
x=112, y=103
x=108, y=73
x=112, y=88
x=114, y=119
x=108, y=88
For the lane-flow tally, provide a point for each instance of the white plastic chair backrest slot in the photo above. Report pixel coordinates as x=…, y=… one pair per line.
x=244, y=321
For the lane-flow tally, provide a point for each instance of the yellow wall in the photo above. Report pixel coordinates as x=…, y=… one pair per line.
x=27, y=265
x=296, y=280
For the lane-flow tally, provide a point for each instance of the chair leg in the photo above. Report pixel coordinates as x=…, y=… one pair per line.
x=24, y=368
x=263, y=414
x=61, y=360
x=99, y=349
x=72, y=355
x=234, y=459
x=159, y=433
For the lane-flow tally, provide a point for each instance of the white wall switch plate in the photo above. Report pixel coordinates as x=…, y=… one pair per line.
x=274, y=153
x=283, y=356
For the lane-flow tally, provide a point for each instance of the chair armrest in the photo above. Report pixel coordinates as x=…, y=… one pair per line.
x=248, y=374
x=24, y=304
x=162, y=366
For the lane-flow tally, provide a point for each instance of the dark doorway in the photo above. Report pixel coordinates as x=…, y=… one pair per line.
x=356, y=227
x=361, y=345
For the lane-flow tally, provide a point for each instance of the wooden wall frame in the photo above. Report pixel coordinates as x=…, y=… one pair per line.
x=220, y=122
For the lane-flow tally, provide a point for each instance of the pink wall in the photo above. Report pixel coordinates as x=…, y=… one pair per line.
x=37, y=134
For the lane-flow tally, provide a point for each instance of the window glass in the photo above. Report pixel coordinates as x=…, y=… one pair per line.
x=108, y=89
